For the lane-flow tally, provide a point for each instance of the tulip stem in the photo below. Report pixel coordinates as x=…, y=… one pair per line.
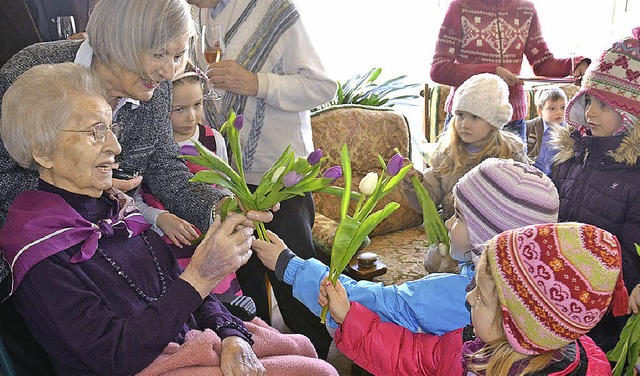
x=323, y=314
x=262, y=231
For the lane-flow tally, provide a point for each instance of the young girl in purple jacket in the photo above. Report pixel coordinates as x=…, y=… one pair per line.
x=531, y=305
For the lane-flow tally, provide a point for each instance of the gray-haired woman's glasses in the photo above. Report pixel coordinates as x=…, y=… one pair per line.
x=99, y=131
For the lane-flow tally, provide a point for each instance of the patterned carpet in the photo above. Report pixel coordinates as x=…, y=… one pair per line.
x=402, y=252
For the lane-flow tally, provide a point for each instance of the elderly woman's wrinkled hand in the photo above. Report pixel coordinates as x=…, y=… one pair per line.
x=225, y=248
x=238, y=359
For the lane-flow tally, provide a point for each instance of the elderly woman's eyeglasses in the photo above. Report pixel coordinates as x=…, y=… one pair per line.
x=100, y=131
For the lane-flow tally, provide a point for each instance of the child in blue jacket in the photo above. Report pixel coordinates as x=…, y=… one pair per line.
x=494, y=196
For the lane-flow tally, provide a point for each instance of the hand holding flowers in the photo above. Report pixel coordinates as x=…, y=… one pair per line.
x=434, y=226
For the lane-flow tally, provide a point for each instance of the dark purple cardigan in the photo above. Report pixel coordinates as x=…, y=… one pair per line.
x=91, y=321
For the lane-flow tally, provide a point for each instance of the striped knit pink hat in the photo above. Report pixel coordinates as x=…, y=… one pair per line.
x=502, y=194
x=555, y=282
x=615, y=80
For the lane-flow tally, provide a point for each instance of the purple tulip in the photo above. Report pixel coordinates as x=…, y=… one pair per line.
x=334, y=173
x=189, y=150
x=291, y=178
x=238, y=122
x=395, y=164
x=314, y=157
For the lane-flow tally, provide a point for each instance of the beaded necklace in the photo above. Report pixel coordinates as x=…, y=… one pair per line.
x=121, y=273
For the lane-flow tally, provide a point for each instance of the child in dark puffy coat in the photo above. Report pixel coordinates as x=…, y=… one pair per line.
x=597, y=170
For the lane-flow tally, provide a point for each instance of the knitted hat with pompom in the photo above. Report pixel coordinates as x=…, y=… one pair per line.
x=501, y=194
x=555, y=282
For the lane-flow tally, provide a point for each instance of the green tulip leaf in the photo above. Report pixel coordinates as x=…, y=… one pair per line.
x=345, y=162
x=283, y=161
x=396, y=179
x=627, y=350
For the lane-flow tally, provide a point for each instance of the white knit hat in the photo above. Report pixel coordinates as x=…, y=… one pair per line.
x=502, y=194
x=487, y=96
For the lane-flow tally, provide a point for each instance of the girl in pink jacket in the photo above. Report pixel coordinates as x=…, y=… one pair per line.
x=531, y=304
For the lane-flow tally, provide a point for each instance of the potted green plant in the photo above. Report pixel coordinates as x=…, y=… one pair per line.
x=362, y=89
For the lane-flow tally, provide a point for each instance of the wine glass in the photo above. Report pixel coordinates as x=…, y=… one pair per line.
x=212, y=47
x=66, y=26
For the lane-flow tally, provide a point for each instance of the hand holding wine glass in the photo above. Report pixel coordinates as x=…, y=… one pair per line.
x=212, y=47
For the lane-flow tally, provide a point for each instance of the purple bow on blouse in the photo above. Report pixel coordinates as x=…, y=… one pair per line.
x=40, y=224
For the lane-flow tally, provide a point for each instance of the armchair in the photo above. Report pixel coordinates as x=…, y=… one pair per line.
x=399, y=241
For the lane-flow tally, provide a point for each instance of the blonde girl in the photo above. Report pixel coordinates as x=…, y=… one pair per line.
x=481, y=108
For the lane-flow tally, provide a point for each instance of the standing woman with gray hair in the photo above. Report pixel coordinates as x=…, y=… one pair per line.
x=134, y=47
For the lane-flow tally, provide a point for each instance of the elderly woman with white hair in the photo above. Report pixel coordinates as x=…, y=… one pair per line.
x=134, y=47
x=99, y=292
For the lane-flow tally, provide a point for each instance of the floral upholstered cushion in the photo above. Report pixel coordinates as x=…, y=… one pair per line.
x=367, y=131
x=324, y=231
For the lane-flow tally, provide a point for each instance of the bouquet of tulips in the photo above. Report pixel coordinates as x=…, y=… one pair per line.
x=627, y=350
x=352, y=230
x=289, y=176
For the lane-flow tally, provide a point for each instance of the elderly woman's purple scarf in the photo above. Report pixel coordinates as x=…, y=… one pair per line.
x=40, y=224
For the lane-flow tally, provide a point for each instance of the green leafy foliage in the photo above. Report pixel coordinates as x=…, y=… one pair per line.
x=272, y=187
x=433, y=224
x=627, y=350
x=362, y=89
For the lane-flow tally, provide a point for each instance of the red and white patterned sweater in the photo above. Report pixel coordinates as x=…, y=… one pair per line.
x=477, y=36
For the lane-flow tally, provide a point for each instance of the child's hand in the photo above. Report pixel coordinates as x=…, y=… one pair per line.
x=179, y=231
x=336, y=298
x=269, y=252
x=634, y=300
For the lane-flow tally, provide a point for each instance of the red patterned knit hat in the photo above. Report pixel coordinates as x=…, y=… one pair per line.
x=555, y=282
x=615, y=80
